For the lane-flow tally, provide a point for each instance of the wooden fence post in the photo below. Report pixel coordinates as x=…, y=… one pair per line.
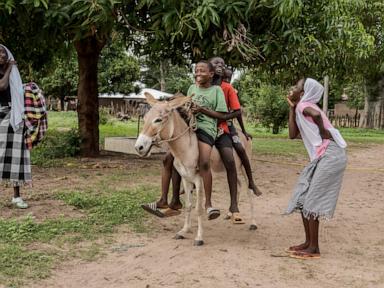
x=326, y=93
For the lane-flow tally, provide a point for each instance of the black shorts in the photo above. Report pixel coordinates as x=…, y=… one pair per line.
x=233, y=134
x=223, y=141
x=205, y=137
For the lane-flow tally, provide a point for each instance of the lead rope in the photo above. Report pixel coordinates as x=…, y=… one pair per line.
x=192, y=125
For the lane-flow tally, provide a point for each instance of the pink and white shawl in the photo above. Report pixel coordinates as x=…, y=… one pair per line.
x=315, y=145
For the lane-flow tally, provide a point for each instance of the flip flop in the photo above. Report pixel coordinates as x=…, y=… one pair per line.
x=289, y=250
x=152, y=208
x=304, y=255
x=169, y=212
x=236, y=218
x=213, y=213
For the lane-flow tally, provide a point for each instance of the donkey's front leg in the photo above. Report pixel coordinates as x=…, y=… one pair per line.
x=188, y=208
x=200, y=211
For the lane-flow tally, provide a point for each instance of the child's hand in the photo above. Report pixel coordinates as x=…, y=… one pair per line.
x=289, y=99
x=10, y=63
x=195, y=108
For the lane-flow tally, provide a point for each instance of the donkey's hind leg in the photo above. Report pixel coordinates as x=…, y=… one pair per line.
x=188, y=208
x=200, y=211
x=251, y=199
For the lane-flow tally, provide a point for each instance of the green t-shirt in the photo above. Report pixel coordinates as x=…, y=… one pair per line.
x=211, y=98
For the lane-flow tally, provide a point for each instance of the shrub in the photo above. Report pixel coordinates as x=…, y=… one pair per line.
x=104, y=115
x=56, y=144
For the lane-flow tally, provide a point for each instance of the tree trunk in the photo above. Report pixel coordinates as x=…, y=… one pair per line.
x=88, y=52
x=62, y=102
x=162, y=77
x=326, y=93
x=381, y=104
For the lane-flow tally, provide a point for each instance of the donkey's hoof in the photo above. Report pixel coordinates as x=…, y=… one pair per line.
x=198, y=243
x=179, y=237
x=252, y=227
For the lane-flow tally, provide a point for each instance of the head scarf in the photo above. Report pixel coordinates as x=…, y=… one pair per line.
x=17, y=94
x=313, y=91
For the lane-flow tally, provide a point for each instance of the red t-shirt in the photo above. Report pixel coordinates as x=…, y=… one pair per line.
x=232, y=101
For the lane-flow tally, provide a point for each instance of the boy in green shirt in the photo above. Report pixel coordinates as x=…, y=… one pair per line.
x=210, y=106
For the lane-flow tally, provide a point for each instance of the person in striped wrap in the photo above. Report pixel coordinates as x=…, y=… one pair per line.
x=15, y=164
x=317, y=190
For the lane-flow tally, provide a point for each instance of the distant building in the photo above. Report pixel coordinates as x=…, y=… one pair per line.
x=132, y=104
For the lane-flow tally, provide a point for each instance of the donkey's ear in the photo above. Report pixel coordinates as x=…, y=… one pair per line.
x=179, y=101
x=150, y=99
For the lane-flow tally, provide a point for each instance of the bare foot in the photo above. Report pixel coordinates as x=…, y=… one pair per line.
x=309, y=253
x=311, y=250
x=300, y=247
x=175, y=205
x=161, y=204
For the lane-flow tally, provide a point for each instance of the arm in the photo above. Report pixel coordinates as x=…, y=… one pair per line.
x=292, y=126
x=239, y=118
x=210, y=113
x=316, y=116
x=214, y=114
x=4, y=82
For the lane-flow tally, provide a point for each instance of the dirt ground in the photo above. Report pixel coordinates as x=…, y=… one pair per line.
x=352, y=244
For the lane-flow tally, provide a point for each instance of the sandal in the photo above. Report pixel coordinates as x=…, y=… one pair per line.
x=169, y=212
x=304, y=255
x=236, y=218
x=153, y=209
x=213, y=213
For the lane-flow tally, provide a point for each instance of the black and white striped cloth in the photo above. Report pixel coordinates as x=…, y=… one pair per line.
x=319, y=184
x=15, y=163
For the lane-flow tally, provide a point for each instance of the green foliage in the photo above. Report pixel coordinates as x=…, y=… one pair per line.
x=117, y=70
x=55, y=145
x=263, y=101
x=103, y=115
x=271, y=107
x=177, y=78
x=59, y=78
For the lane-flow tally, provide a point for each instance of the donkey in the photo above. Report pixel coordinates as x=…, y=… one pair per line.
x=163, y=123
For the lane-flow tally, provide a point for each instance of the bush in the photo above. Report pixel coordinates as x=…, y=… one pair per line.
x=264, y=99
x=104, y=115
x=271, y=107
x=56, y=144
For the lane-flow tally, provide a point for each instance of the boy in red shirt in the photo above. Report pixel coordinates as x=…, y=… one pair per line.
x=234, y=108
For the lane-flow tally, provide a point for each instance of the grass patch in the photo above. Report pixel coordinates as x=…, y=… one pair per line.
x=116, y=128
x=364, y=136
x=103, y=212
x=57, y=120
x=18, y=264
x=278, y=147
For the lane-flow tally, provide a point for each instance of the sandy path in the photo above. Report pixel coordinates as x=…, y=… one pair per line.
x=352, y=244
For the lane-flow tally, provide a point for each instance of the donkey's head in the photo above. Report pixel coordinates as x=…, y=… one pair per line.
x=156, y=120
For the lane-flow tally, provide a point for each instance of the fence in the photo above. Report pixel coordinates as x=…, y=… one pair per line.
x=345, y=121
